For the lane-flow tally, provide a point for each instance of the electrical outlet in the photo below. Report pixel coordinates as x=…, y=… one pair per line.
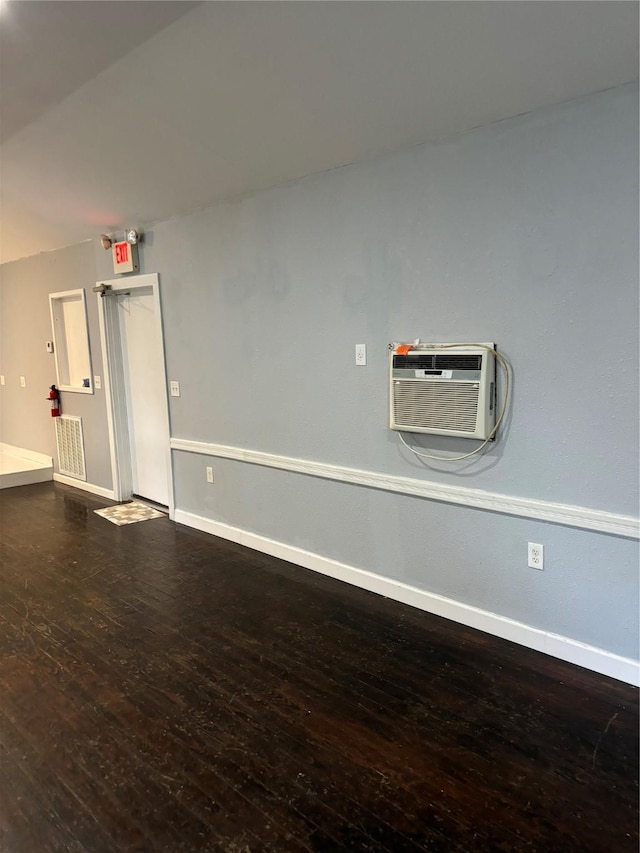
x=175, y=389
x=1, y=380
x=97, y=383
x=361, y=355
x=23, y=382
x=535, y=554
x=209, y=474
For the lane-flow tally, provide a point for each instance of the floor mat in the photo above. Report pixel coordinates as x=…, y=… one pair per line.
x=129, y=513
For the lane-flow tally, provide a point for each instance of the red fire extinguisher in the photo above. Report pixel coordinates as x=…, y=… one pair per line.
x=54, y=397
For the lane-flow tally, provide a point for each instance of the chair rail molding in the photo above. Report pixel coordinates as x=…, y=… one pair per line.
x=568, y=515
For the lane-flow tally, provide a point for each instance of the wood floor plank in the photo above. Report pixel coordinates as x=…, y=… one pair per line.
x=163, y=690
x=149, y=785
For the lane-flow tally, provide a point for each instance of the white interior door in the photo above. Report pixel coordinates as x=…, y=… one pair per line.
x=144, y=381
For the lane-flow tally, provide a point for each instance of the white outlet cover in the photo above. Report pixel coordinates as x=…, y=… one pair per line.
x=535, y=556
x=361, y=355
x=175, y=389
x=97, y=383
x=23, y=382
x=1, y=380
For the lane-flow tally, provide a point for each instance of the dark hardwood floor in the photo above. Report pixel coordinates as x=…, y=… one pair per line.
x=162, y=690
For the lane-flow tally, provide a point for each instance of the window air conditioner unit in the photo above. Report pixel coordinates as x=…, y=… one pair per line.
x=445, y=389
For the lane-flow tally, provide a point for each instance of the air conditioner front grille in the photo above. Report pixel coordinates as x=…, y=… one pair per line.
x=436, y=405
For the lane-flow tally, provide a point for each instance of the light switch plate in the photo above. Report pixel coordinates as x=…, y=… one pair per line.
x=175, y=389
x=23, y=382
x=1, y=380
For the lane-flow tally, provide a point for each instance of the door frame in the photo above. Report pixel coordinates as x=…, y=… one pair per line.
x=114, y=382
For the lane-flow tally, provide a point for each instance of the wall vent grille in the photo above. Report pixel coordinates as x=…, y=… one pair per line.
x=70, y=441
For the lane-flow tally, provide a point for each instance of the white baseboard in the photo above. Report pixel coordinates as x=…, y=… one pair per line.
x=555, y=645
x=86, y=487
x=22, y=453
x=568, y=515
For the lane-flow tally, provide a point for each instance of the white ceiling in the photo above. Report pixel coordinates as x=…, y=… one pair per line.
x=127, y=113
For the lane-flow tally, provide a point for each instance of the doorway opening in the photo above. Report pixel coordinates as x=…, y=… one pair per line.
x=135, y=384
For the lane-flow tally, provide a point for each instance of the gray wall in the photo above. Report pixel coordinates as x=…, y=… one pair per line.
x=25, y=420
x=588, y=590
x=524, y=233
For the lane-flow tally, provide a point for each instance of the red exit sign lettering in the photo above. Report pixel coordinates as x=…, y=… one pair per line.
x=125, y=257
x=122, y=253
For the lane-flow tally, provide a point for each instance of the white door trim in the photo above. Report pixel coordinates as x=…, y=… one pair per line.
x=114, y=388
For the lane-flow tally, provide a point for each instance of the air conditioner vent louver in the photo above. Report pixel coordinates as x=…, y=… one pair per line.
x=437, y=362
x=443, y=389
x=70, y=441
x=414, y=362
x=458, y=362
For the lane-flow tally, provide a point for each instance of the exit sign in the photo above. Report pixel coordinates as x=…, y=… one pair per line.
x=125, y=257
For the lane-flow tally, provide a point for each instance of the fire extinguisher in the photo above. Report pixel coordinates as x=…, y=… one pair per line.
x=54, y=397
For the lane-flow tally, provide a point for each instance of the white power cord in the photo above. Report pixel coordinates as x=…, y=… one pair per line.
x=505, y=400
